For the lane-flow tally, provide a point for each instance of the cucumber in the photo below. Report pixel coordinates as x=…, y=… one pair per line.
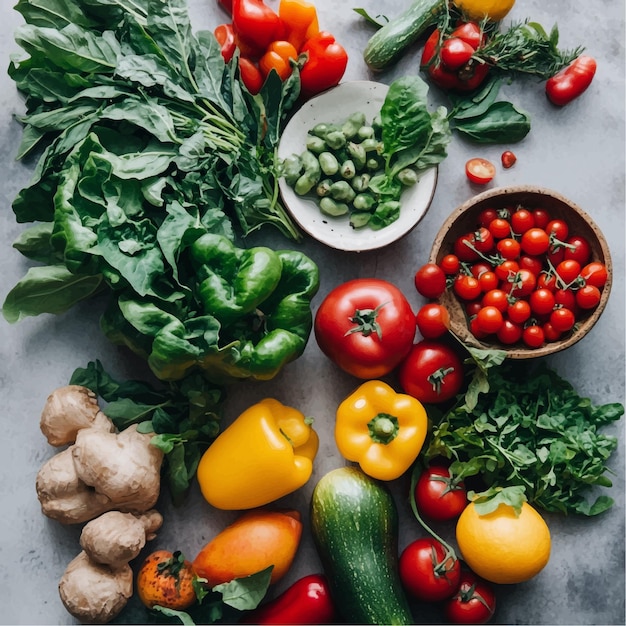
x=392, y=39
x=354, y=522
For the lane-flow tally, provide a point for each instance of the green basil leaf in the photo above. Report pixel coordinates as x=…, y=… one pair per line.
x=247, y=592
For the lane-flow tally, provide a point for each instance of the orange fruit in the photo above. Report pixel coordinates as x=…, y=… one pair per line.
x=166, y=578
x=253, y=542
x=502, y=547
x=477, y=10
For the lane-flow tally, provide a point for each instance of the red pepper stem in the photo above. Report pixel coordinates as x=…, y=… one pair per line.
x=449, y=550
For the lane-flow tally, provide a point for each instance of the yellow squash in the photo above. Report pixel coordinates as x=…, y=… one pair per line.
x=381, y=430
x=265, y=454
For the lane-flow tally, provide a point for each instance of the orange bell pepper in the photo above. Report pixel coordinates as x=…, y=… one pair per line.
x=300, y=20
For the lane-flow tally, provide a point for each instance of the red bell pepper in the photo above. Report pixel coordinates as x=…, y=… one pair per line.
x=256, y=24
x=325, y=66
x=307, y=601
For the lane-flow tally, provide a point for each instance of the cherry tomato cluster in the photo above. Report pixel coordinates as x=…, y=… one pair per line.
x=430, y=570
x=522, y=276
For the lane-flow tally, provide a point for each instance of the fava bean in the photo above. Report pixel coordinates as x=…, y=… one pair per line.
x=315, y=144
x=291, y=168
x=408, y=177
x=329, y=207
x=364, y=202
x=357, y=154
x=361, y=182
x=335, y=140
x=351, y=126
x=358, y=219
x=348, y=169
x=323, y=187
x=342, y=191
x=328, y=163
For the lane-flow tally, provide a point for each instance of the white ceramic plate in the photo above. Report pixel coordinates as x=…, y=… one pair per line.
x=335, y=106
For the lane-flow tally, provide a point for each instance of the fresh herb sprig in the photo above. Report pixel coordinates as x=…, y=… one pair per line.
x=529, y=427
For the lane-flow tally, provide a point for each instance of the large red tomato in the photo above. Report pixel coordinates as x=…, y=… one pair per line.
x=366, y=326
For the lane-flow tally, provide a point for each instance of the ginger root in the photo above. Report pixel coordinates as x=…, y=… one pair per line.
x=102, y=470
x=98, y=583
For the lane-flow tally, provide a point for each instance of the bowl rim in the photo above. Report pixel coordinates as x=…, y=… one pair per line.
x=460, y=329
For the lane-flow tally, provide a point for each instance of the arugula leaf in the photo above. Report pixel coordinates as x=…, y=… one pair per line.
x=529, y=428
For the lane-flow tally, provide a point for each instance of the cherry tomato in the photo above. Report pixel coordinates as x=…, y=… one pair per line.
x=509, y=332
x=489, y=319
x=427, y=571
x=432, y=372
x=506, y=269
x=480, y=267
x=508, y=159
x=366, y=326
x=521, y=221
x=430, y=280
x=588, y=297
x=475, y=329
x=595, y=273
x=488, y=281
x=469, y=32
x=565, y=298
x=472, y=308
x=531, y=263
x=433, y=320
x=487, y=216
x=547, y=280
x=480, y=171
x=251, y=75
x=500, y=228
x=535, y=241
x=438, y=496
x=519, y=311
x=541, y=301
x=571, y=81
x=520, y=284
x=464, y=248
x=473, y=603
x=542, y=218
x=562, y=319
x=450, y=264
x=533, y=336
x=550, y=333
x=578, y=249
x=509, y=248
x=483, y=240
x=497, y=298
x=558, y=229
x=466, y=287
x=568, y=271
x=455, y=53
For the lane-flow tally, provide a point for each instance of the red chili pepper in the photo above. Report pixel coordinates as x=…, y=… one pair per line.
x=307, y=601
x=256, y=24
x=571, y=81
x=225, y=36
x=325, y=66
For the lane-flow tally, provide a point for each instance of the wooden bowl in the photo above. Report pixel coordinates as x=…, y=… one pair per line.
x=464, y=219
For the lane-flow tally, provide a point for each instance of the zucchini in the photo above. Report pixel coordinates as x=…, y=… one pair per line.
x=354, y=522
x=392, y=39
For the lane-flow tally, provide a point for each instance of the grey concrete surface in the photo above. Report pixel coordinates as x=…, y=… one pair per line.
x=577, y=151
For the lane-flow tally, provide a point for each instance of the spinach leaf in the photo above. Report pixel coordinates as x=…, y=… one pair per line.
x=502, y=122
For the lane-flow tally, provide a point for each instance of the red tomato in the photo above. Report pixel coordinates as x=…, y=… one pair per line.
x=509, y=248
x=438, y=496
x=430, y=280
x=558, y=228
x=571, y=81
x=562, y=319
x=565, y=298
x=450, y=264
x=547, y=280
x=519, y=311
x=500, y=228
x=470, y=33
x=366, y=326
x=489, y=319
x=467, y=287
x=497, y=298
x=595, y=273
x=535, y=241
x=251, y=75
x=225, y=36
x=325, y=66
x=432, y=372
x=487, y=216
x=541, y=301
x=521, y=284
x=568, y=271
x=464, y=248
x=480, y=171
x=433, y=320
x=509, y=332
x=427, y=571
x=588, y=297
x=508, y=159
x=473, y=603
x=533, y=336
x=531, y=263
x=483, y=240
x=506, y=269
x=521, y=221
x=578, y=249
x=542, y=218
x=488, y=281
x=455, y=53
x=550, y=333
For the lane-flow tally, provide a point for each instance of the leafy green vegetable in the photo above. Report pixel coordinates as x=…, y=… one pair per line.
x=184, y=417
x=529, y=428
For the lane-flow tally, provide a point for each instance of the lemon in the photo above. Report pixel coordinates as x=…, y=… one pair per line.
x=502, y=547
x=477, y=10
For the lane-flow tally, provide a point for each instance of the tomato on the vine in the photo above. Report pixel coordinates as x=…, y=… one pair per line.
x=588, y=297
x=541, y=217
x=541, y=301
x=433, y=320
x=473, y=603
x=366, y=326
x=519, y=311
x=568, y=271
x=562, y=319
x=489, y=319
x=430, y=280
x=595, y=273
x=428, y=571
x=578, y=248
x=432, y=372
x=467, y=287
x=480, y=171
x=509, y=248
x=509, y=332
x=558, y=229
x=533, y=336
x=439, y=496
x=500, y=228
x=521, y=221
x=450, y=264
x=497, y=298
x=535, y=241
x=464, y=248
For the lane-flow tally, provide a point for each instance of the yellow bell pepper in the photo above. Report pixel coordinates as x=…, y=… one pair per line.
x=265, y=454
x=381, y=430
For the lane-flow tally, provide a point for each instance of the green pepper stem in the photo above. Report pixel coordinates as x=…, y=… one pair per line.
x=383, y=428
